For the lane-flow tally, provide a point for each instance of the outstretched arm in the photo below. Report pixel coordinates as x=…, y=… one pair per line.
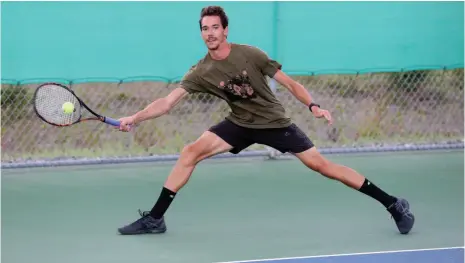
x=299, y=92
x=155, y=109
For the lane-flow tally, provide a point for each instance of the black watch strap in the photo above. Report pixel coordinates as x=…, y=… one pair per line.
x=311, y=105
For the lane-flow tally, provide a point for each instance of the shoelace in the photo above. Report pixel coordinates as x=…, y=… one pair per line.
x=400, y=208
x=143, y=213
x=404, y=211
x=144, y=220
x=400, y=211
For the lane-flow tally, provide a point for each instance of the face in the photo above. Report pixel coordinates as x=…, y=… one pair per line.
x=213, y=33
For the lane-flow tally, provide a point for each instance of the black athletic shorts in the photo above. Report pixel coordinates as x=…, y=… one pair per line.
x=289, y=139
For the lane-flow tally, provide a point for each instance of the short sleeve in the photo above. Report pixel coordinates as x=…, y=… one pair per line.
x=190, y=82
x=266, y=65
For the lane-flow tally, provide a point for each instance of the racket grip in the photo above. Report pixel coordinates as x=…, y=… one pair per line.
x=112, y=121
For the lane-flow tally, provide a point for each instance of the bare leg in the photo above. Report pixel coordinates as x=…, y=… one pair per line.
x=398, y=207
x=209, y=144
x=346, y=175
x=315, y=161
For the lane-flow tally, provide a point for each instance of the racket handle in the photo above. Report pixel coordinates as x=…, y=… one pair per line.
x=112, y=121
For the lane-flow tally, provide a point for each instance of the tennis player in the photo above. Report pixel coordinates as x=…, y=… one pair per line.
x=237, y=74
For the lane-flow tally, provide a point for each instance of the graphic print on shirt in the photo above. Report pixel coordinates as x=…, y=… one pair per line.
x=239, y=87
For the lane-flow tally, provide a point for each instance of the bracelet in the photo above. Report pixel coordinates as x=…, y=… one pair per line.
x=311, y=105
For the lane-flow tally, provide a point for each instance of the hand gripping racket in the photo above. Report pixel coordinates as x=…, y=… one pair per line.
x=49, y=99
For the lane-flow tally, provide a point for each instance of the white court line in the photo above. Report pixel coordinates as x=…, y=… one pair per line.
x=344, y=255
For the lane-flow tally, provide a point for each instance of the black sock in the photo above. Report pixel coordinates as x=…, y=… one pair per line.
x=163, y=202
x=372, y=190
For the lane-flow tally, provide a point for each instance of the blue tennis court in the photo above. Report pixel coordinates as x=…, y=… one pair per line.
x=435, y=255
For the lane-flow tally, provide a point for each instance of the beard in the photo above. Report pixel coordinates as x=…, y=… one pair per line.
x=215, y=45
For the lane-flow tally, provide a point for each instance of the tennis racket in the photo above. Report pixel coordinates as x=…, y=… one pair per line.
x=48, y=104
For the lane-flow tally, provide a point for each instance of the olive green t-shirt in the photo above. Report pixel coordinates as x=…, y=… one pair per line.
x=240, y=80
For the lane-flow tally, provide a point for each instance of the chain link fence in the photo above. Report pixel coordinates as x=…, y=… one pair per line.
x=372, y=110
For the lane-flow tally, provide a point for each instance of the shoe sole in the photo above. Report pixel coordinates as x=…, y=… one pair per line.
x=142, y=232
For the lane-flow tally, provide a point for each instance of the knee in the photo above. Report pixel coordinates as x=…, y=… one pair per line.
x=190, y=155
x=323, y=167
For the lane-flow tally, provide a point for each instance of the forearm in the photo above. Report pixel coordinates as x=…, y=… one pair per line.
x=155, y=109
x=297, y=89
x=301, y=94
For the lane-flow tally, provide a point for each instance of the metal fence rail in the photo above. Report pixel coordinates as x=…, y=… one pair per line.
x=373, y=110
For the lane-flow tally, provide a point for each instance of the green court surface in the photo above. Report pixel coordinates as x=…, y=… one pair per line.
x=230, y=210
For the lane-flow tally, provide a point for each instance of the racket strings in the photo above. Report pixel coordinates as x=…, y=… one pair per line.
x=49, y=101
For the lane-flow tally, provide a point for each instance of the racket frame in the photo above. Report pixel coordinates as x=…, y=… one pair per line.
x=97, y=117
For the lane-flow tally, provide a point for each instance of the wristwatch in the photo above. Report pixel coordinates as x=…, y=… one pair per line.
x=311, y=105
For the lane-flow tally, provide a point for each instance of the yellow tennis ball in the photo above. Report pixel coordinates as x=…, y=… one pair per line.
x=68, y=107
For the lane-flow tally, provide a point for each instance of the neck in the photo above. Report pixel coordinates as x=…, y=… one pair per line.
x=222, y=52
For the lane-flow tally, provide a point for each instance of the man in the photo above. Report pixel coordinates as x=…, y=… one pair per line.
x=236, y=73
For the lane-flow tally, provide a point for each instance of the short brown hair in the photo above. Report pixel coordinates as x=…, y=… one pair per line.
x=214, y=11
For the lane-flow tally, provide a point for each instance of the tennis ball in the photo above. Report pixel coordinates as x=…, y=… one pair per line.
x=68, y=107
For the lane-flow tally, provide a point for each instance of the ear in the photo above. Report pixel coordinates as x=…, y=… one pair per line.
x=226, y=32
